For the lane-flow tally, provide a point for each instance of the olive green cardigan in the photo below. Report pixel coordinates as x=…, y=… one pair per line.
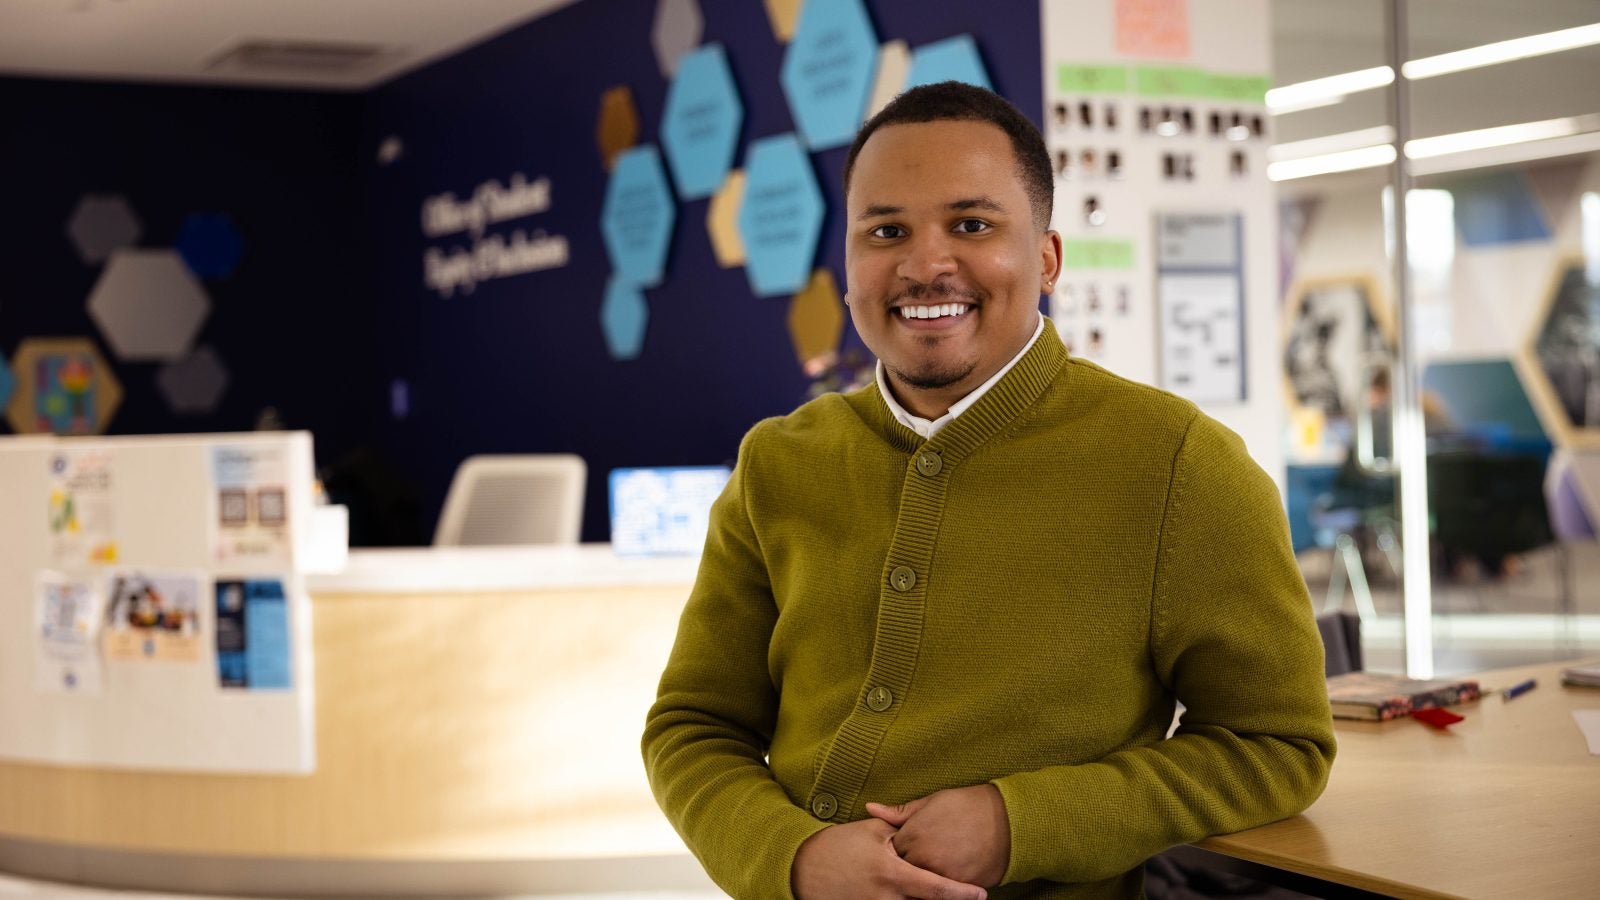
x=1018, y=600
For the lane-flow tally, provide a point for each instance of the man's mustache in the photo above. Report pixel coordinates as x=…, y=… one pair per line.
x=943, y=290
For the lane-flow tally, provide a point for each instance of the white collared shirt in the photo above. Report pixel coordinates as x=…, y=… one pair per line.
x=926, y=429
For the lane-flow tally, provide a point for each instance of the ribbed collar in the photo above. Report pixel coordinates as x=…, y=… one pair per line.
x=1002, y=403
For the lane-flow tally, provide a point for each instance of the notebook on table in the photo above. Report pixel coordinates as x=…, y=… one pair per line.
x=1379, y=697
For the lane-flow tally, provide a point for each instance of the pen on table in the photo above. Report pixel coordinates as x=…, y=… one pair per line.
x=1519, y=689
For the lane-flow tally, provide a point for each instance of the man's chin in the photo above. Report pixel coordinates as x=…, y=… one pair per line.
x=932, y=378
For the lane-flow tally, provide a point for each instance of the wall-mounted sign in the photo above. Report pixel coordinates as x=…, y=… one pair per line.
x=452, y=267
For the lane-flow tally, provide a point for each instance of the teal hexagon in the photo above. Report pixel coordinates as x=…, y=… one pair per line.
x=700, y=123
x=637, y=215
x=780, y=216
x=8, y=382
x=827, y=70
x=952, y=59
x=623, y=317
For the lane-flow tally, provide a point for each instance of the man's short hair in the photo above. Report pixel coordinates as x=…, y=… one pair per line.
x=953, y=101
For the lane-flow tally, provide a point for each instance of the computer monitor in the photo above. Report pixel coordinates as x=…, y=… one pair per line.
x=663, y=511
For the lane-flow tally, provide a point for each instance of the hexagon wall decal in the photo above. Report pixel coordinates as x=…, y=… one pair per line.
x=722, y=221
x=63, y=386
x=952, y=59
x=780, y=215
x=637, y=216
x=1566, y=341
x=894, y=61
x=101, y=223
x=783, y=14
x=623, y=317
x=827, y=71
x=148, y=305
x=619, y=124
x=816, y=318
x=676, y=31
x=700, y=123
x=8, y=382
x=210, y=244
x=195, y=384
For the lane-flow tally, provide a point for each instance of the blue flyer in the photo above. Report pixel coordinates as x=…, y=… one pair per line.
x=253, y=634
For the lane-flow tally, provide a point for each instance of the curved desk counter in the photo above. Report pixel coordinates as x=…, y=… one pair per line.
x=478, y=714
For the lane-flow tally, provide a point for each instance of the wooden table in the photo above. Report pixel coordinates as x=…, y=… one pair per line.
x=1504, y=804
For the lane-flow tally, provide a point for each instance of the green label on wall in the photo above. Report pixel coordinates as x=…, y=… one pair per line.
x=1092, y=253
x=1182, y=81
x=1092, y=79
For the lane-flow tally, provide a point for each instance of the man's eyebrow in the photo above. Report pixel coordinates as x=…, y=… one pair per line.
x=873, y=212
x=976, y=203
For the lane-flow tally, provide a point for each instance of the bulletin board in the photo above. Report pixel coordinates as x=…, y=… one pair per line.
x=156, y=612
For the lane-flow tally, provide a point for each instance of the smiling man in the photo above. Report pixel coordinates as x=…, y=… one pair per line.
x=941, y=624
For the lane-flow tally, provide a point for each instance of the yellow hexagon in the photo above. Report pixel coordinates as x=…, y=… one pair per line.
x=784, y=15
x=619, y=123
x=63, y=387
x=894, y=64
x=816, y=320
x=1566, y=299
x=722, y=221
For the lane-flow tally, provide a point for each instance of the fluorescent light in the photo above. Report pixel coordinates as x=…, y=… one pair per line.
x=1323, y=91
x=1503, y=51
x=1327, y=163
x=1462, y=141
x=1333, y=143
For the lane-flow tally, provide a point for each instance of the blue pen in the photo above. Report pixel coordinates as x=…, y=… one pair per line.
x=1518, y=689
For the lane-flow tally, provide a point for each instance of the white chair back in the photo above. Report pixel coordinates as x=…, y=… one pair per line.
x=514, y=500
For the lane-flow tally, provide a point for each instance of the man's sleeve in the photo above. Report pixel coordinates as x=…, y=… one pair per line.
x=706, y=737
x=1234, y=638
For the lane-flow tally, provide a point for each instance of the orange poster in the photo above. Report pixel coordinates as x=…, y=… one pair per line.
x=1153, y=28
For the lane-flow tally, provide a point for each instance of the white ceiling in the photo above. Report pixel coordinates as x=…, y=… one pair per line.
x=180, y=40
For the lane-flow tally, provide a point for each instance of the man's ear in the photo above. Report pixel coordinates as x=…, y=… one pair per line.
x=1049, y=261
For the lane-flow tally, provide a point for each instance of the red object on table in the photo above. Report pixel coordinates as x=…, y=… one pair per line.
x=1438, y=718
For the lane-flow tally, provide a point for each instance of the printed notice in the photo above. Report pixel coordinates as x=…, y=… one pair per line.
x=1158, y=28
x=252, y=634
x=153, y=616
x=250, y=521
x=67, y=618
x=80, y=511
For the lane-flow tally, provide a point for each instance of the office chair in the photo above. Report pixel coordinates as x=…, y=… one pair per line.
x=514, y=500
x=1488, y=506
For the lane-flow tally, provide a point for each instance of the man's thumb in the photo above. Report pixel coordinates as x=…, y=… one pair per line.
x=896, y=815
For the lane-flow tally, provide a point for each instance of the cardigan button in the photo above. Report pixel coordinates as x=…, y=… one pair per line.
x=824, y=806
x=903, y=578
x=879, y=699
x=929, y=463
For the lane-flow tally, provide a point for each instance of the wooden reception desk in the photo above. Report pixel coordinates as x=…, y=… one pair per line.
x=478, y=714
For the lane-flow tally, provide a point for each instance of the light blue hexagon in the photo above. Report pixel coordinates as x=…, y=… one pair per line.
x=952, y=59
x=623, y=316
x=636, y=219
x=827, y=70
x=700, y=124
x=8, y=382
x=780, y=216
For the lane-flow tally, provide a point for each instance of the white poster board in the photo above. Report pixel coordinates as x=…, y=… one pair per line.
x=116, y=563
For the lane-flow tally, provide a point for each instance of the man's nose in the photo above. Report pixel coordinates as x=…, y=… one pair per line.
x=927, y=256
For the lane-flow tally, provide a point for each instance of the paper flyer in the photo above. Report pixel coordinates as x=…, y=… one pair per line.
x=253, y=634
x=80, y=513
x=153, y=616
x=251, y=506
x=67, y=619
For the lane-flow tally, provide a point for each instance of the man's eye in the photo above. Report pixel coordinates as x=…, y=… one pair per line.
x=888, y=231
x=972, y=226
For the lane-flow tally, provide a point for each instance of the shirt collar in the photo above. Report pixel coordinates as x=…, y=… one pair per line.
x=926, y=429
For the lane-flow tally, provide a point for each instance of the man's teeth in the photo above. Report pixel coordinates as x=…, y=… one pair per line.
x=933, y=312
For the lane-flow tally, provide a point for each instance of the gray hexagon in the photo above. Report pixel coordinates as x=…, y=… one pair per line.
x=194, y=385
x=101, y=223
x=148, y=305
x=677, y=30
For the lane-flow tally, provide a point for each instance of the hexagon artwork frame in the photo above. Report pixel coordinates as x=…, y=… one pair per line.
x=195, y=384
x=1551, y=402
x=675, y=31
x=210, y=244
x=827, y=72
x=637, y=216
x=952, y=59
x=101, y=224
x=63, y=386
x=816, y=318
x=148, y=305
x=617, y=128
x=624, y=319
x=780, y=217
x=722, y=221
x=1306, y=397
x=700, y=122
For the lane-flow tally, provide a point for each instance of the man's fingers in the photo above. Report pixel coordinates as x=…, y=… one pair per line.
x=924, y=885
x=895, y=815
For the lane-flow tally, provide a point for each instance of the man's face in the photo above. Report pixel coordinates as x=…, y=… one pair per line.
x=943, y=262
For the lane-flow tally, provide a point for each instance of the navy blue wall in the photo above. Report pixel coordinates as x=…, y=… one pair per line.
x=520, y=365
x=293, y=321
